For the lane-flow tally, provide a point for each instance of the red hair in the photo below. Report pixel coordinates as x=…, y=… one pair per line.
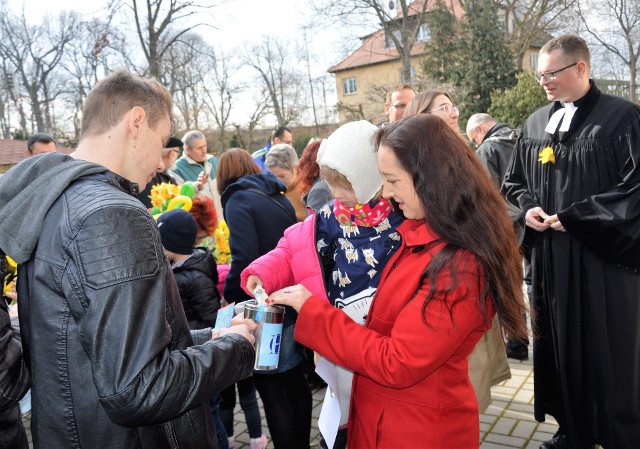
x=204, y=211
x=308, y=169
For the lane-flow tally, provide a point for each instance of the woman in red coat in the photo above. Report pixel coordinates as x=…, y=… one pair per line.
x=457, y=266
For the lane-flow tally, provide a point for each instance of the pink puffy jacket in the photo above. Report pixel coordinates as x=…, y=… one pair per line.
x=294, y=261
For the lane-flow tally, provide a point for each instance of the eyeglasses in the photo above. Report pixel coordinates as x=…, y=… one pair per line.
x=398, y=106
x=551, y=76
x=448, y=109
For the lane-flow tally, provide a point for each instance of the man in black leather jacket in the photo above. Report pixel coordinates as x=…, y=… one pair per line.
x=112, y=360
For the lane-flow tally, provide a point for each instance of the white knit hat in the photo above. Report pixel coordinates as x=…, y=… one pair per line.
x=350, y=150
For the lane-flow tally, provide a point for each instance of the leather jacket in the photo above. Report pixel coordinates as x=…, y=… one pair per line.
x=112, y=360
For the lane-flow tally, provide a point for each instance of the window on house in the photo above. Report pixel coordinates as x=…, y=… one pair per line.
x=388, y=41
x=424, y=33
x=533, y=61
x=349, y=86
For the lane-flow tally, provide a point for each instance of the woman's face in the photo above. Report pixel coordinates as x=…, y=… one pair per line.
x=444, y=108
x=398, y=184
x=286, y=176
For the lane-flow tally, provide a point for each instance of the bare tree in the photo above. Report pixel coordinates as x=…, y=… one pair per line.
x=400, y=23
x=184, y=74
x=223, y=91
x=617, y=29
x=156, y=22
x=260, y=109
x=35, y=52
x=527, y=20
x=87, y=59
x=270, y=59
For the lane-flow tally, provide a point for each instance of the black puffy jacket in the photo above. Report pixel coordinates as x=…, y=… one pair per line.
x=197, y=280
x=112, y=360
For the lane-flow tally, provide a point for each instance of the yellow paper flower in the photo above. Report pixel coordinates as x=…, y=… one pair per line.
x=162, y=194
x=221, y=251
x=546, y=155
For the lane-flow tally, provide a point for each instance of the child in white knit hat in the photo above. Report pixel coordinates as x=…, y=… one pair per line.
x=338, y=253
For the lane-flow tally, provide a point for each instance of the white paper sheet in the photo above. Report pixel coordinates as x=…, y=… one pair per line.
x=329, y=418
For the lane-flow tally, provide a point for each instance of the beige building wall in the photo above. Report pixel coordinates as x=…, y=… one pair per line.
x=372, y=83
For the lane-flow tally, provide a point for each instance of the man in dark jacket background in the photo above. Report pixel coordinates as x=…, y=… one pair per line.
x=112, y=361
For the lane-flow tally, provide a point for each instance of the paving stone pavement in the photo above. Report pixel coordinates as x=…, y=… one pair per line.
x=508, y=422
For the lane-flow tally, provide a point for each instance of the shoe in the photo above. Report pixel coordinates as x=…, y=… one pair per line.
x=232, y=442
x=559, y=441
x=517, y=350
x=258, y=443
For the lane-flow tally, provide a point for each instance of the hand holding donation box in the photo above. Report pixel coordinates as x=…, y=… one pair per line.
x=269, y=331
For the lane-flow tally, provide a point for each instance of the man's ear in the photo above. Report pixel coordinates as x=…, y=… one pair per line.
x=136, y=117
x=582, y=68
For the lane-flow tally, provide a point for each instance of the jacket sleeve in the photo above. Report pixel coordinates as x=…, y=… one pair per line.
x=274, y=268
x=515, y=186
x=203, y=296
x=489, y=158
x=608, y=223
x=319, y=195
x=14, y=377
x=124, y=301
x=410, y=352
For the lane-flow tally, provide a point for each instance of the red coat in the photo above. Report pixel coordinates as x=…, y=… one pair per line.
x=411, y=387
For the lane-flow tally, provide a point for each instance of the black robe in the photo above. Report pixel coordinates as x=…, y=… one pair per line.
x=586, y=281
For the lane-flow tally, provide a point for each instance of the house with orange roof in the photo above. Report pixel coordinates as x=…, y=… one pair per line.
x=364, y=76
x=13, y=151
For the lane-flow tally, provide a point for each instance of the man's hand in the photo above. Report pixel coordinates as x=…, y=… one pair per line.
x=240, y=326
x=202, y=180
x=536, y=219
x=554, y=223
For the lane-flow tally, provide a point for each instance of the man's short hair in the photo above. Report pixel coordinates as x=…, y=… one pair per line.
x=39, y=137
x=191, y=136
x=281, y=155
x=398, y=88
x=478, y=119
x=113, y=96
x=570, y=45
x=279, y=132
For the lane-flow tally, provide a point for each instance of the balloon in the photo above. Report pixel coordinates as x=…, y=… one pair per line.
x=188, y=190
x=181, y=201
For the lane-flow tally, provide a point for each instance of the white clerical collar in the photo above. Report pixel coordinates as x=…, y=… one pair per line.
x=565, y=114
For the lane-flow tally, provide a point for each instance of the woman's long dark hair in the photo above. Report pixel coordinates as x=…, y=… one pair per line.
x=465, y=209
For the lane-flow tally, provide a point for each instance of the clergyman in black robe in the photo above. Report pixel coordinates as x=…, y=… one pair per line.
x=579, y=184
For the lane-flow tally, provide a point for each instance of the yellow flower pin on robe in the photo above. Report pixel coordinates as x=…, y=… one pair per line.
x=546, y=155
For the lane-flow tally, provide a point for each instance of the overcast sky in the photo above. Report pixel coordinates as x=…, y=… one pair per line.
x=236, y=23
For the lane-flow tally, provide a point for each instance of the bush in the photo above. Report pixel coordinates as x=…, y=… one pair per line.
x=513, y=106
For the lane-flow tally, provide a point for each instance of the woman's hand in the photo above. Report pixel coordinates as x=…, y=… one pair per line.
x=294, y=296
x=253, y=281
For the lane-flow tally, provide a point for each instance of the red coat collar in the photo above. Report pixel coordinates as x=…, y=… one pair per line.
x=416, y=233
